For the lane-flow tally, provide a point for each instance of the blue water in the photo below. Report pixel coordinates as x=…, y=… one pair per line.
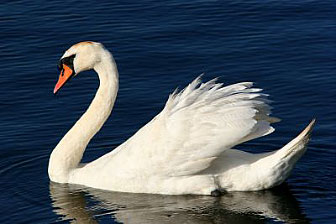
x=286, y=47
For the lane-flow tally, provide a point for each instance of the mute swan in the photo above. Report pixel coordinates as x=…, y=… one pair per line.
x=185, y=149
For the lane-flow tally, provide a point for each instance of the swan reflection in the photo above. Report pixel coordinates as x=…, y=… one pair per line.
x=86, y=205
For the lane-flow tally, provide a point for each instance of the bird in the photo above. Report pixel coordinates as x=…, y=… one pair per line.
x=188, y=148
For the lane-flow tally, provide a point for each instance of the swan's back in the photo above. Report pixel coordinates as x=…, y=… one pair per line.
x=195, y=127
x=178, y=151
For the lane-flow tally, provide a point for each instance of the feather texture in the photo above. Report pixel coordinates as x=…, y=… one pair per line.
x=185, y=149
x=197, y=124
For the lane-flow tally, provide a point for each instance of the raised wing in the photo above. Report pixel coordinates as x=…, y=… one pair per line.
x=196, y=126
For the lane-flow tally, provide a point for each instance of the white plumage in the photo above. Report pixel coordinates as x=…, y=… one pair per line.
x=185, y=149
x=198, y=124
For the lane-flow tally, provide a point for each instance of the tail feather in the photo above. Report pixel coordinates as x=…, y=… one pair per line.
x=283, y=161
x=298, y=144
x=265, y=170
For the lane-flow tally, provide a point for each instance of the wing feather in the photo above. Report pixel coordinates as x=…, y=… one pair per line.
x=196, y=125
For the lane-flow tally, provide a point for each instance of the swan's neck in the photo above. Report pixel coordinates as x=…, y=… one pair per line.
x=69, y=151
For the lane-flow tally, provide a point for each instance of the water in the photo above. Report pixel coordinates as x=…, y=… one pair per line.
x=286, y=47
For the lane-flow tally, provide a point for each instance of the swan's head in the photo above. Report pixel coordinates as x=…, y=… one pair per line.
x=80, y=57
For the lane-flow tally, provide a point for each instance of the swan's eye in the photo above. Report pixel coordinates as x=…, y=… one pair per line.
x=66, y=61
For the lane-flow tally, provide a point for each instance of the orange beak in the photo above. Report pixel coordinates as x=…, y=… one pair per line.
x=65, y=75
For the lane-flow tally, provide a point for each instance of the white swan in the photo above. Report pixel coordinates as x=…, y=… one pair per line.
x=185, y=149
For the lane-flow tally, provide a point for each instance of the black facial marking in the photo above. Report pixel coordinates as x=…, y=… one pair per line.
x=67, y=61
x=60, y=65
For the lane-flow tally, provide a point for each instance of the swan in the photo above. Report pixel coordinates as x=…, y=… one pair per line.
x=186, y=149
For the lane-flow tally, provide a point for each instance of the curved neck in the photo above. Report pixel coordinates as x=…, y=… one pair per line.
x=69, y=151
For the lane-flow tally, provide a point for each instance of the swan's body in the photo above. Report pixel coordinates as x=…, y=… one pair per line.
x=185, y=149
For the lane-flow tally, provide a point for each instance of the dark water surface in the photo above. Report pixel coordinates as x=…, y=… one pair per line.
x=286, y=47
